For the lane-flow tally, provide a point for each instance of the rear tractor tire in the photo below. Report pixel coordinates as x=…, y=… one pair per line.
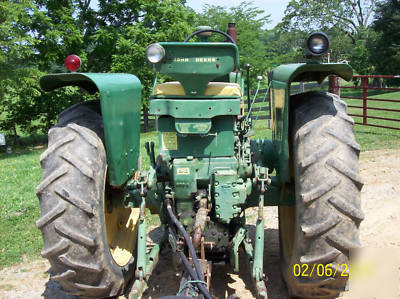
x=89, y=242
x=318, y=233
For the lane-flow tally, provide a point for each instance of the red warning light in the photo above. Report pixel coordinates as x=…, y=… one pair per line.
x=72, y=63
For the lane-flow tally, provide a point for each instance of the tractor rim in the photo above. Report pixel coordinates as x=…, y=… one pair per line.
x=287, y=218
x=121, y=225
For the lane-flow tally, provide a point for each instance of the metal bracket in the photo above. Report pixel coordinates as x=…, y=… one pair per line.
x=142, y=258
x=140, y=285
x=258, y=261
x=234, y=249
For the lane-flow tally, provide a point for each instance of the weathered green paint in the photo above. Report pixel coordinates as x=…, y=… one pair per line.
x=184, y=182
x=218, y=142
x=151, y=258
x=311, y=71
x=280, y=128
x=203, y=168
x=120, y=97
x=192, y=125
x=230, y=194
x=196, y=64
x=186, y=108
x=234, y=248
x=248, y=249
x=283, y=76
x=257, y=267
x=190, y=174
x=142, y=258
x=155, y=253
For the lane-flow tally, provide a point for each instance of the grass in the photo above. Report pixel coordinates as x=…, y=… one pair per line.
x=19, y=208
x=372, y=138
x=20, y=173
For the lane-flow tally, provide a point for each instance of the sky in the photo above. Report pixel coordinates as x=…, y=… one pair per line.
x=275, y=8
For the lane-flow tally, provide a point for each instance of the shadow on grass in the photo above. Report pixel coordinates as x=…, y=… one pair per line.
x=21, y=150
x=388, y=133
x=25, y=145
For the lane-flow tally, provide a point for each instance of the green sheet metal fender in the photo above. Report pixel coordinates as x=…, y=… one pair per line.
x=282, y=77
x=120, y=98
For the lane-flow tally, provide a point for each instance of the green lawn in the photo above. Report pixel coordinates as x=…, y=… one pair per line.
x=20, y=173
x=372, y=137
x=19, y=207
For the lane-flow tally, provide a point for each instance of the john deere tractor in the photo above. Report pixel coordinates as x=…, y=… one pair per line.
x=205, y=173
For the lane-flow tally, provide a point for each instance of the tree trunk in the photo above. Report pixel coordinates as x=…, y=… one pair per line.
x=16, y=140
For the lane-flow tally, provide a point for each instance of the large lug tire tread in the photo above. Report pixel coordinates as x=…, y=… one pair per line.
x=72, y=207
x=327, y=185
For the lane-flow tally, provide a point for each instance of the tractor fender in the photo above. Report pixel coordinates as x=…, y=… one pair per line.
x=282, y=77
x=120, y=101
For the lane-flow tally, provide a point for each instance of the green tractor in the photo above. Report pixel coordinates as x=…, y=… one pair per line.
x=94, y=193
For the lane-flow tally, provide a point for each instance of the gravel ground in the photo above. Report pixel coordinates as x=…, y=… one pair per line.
x=381, y=228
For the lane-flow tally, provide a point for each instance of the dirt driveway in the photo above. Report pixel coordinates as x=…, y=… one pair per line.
x=381, y=228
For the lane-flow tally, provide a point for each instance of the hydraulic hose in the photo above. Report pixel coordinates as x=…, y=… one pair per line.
x=189, y=268
x=187, y=239
x=192, y=273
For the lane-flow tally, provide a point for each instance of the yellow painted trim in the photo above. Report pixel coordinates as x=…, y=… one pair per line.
x=212, y=89
x=287, y=221
x=122, y=226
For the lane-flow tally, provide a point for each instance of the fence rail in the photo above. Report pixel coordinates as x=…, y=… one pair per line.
x=364, y=87
x=263, y=111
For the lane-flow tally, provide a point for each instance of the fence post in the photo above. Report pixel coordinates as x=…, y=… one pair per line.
x=301, y=86
x=334, y=85
x=364, y=87
x=145, y=119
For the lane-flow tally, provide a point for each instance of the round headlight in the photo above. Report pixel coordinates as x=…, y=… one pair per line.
x=318, y=43
x=155, y=53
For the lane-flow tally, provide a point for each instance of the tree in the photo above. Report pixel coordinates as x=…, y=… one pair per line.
x=285, y=47
x=157, y=21
x=37, y=35
x=347, y=22
x=385, y=50
x=351, y=17
x=18, y=74
x=69, y=27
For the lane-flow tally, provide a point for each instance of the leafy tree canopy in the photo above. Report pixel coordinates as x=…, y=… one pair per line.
x=347, y=22
x=37, y=35
x=18, y=74
x=385, y=50
x=351, y=17
x=158, y=21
